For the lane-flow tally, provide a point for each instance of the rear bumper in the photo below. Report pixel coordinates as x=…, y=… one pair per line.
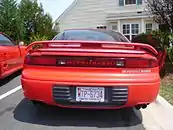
x=137, y=93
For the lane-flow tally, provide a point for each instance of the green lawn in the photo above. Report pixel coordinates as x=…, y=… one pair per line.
x=166, y=90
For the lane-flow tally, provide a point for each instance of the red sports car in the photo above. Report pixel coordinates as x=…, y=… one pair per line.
x=94, y=69
x=11, y=56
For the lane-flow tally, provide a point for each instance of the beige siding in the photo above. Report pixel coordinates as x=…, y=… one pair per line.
x=154, y=25
x=90, y=13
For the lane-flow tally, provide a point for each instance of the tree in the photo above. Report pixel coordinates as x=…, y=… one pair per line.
x=10, y=21
x=45, y=28
x=162, y=11
x=25, y=21
x=35, y=20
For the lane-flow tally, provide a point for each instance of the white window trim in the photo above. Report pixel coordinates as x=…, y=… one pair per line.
x=146, y=26
x=126, y=24
x=129, y=4
x=136, y=28
x=130, y=34
x=129, y=30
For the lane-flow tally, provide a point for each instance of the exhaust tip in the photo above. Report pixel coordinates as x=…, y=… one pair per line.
x=138, y=107
x=143, y=106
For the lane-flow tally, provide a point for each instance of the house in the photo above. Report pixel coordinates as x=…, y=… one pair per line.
x=126, y=16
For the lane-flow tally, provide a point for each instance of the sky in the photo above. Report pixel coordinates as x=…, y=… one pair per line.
x=55, y=7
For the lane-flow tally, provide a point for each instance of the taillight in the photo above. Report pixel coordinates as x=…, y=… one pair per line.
x=101, y=62
x=38, y=60
x=141, y=63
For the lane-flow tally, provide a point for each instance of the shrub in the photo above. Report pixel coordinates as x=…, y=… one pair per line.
x=37, y=37
x=150, y=39
x=170, y=54
x=155, y=41
x=164, y=37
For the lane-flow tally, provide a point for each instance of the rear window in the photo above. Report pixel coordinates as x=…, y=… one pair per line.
x=91, y=35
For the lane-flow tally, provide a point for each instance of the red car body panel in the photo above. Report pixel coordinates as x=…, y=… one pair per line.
x=142, y=83
x=42, y=91
x=11, y=58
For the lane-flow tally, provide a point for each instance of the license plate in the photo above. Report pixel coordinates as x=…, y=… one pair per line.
x=90, y=94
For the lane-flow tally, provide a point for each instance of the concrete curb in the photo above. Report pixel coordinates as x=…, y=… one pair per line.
x=162, y=101
x=158, y=115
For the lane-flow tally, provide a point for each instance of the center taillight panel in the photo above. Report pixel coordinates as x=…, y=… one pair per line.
x=90, y=62
x=84, y=61
x=106, y=62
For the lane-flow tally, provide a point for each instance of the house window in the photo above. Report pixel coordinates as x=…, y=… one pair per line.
x=126, y=30
x=130, y=2
x=130, y=30
x=148, y=27
x=134, y=30
x=101, y=27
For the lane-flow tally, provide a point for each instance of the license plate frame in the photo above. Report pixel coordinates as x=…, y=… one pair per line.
x=90, y=94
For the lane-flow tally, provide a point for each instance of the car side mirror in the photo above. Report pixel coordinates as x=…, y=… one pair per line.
x=21, y=43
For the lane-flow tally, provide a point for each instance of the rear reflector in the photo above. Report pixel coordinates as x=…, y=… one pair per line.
x=91, y=62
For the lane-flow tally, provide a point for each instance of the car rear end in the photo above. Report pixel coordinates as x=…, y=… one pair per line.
x=95, y=75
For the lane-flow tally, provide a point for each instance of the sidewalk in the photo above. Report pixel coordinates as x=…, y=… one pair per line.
x=158, y=115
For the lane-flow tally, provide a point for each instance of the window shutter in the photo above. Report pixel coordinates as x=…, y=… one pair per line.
x=139, y=2
x=121, y=2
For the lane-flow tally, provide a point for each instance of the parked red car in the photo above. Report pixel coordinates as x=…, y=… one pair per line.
x=11, y=56
x=94, y=69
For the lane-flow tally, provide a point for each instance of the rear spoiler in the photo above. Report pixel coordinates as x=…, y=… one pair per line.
x=93, y=45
